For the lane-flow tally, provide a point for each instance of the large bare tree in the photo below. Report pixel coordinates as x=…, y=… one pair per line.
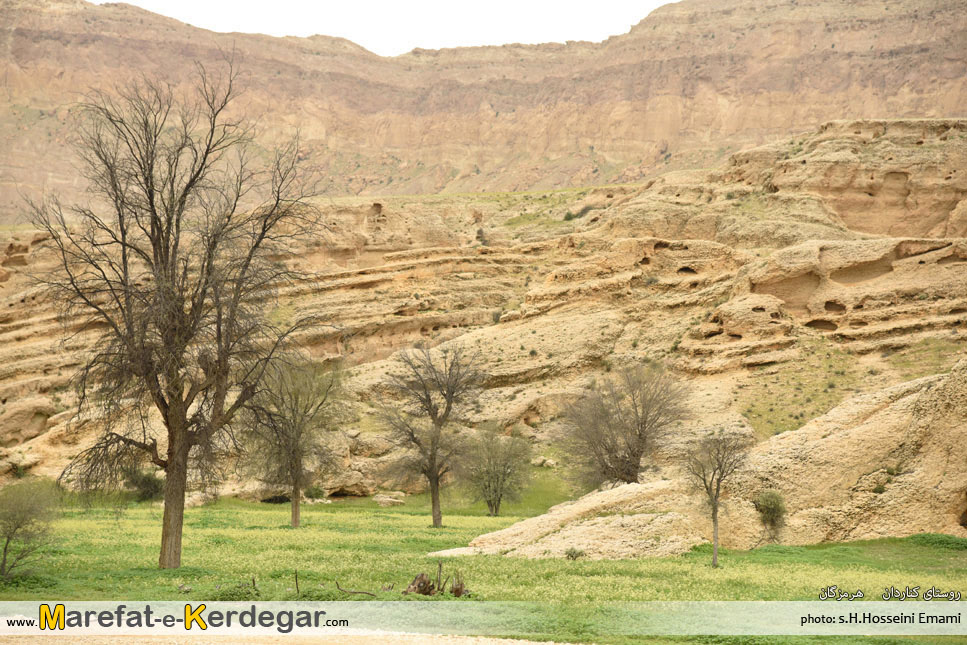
x=711, y=463
x=289, y=426
x=611, y=428
x=423, y=396
x=171, y=266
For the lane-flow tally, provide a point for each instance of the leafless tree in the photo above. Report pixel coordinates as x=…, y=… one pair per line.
x=613, y=427
x=711, y=462
x=26, y=511
x=171, y=266
x=289, y=425
x=423, y=396
x=494, y=467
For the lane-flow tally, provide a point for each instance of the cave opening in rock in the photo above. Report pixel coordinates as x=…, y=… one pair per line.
x=835, y=307
x=824, y=325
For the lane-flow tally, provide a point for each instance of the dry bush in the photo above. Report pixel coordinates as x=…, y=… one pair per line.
x=495, y=467
x=610, y=429
x=27, y=508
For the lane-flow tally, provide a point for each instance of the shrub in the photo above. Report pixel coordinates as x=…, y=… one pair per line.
x=27, y=509
x=940, y=541
x=146, y=484
x=879, y=489
x=573, y=553
x=494, y=467
x=315, y=492
x=230, y=592
x=617, y=423
x=575, y=215
x=772, y=508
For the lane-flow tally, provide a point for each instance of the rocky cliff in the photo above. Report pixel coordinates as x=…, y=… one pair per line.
x=691, y=83
x=764, y=283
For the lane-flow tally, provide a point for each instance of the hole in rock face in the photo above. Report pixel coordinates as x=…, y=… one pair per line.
x=832, y=305
x=687, y=271
x=824, y=325
x=759, y=309
x=610, y=196
x=645, y=260
x=858, y=323
x=774, y=315
x=951, y=259
x=661, y=245
x=276, y=499
x=863, y=271
x=959, y=310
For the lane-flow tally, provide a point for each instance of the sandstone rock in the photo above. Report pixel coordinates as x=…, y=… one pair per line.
x=889, y=463
x=349, y=483
x=527, y=116
x=388, y=500
x=24, y=419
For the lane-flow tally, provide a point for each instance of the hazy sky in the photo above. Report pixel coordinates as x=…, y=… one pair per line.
x=389, y=27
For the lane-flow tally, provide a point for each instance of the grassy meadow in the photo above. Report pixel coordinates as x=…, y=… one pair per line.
x=103, y=554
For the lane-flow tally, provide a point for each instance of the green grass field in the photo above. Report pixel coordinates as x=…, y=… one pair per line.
x=101, y=554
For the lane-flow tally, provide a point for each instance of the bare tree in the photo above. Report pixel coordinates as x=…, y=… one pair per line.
x=171, y=267
x=26, y=511
x=426, y=392
x=610, y=429
x=711, y=463
x=289, y=424
x=495, y=467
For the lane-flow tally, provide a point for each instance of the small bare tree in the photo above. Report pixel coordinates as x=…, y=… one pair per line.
x=610, y=429
x=172, y=268
x=426, y=392
x=26, y=511
x=289, y=425
x=711, y=462
x=495, y=467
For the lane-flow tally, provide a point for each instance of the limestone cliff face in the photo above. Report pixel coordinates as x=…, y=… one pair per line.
x=760, y=282
x=689, y=83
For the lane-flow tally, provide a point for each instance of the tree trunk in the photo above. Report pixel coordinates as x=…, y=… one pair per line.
x=435, y=501
x=496, y=509
x=296, y=499
x=176, y=481
x=715, y=535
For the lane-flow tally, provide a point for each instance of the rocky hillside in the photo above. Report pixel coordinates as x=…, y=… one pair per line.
x=820, y=275
x=691, y=83
x=891, y=463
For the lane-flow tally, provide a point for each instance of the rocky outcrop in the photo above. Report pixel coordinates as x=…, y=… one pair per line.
x=710, y=272
x=891, y=463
